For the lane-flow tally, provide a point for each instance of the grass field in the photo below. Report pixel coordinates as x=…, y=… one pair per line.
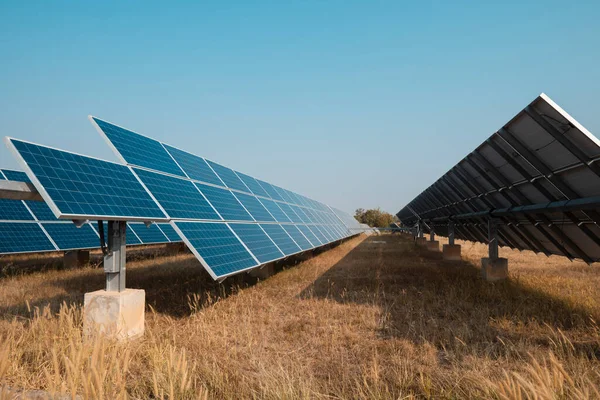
x=374, y=318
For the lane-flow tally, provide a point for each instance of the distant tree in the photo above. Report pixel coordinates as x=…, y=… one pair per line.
x=374, y=217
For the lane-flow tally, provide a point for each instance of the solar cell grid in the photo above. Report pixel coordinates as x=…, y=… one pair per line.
x=270, y=190
x=252, y=184
x=67, y=236
x=257, y=241
x=283, y=194
x=281, y=238
x=137, y=149
x=178, y=197
x=228, y=176
x=41, y=210
x=217, y=246
x=298, y=237
x=316, y=242
x=225, y=203
x=169, y=232
x=148, y=234
x=301, y=214
x=14, y=210
x=275, y=210
x=254, y=207
x=84, y=186
x=17, y=176
x=195, y=167
x=289, y=212
x=317, y=232
x=23, y=238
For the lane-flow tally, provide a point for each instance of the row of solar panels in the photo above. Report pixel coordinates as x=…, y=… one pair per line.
x=538, y=177
x=231, y=221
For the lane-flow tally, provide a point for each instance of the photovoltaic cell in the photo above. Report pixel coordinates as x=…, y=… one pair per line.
x=301, y=214
x=169, y=232
x=178, y=197
x=229, y=177
x=281, y=238
x=275, y=211
x=252, y=184
x=41, y=210
x=195, y=167
x=254, y=207
x=225, y=203
x=315, y=230
x=14, y=210
x=270, y=190
x=17, y=176
x=283, y=194
x=149, y=235
x=218, y=247
x=298, y=237
x=289, y=212
x=23, y=238
x=316, y=242
x=325, y=232
x=139, y=150
x=67, y=236
x=257, y=241
x=84, y=186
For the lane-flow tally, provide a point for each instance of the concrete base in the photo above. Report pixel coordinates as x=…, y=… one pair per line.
x=263, y=272
x=451, y=252
x=76, y=258
x=432, y=245
x=494, y=270
x=118, y=315
x=421, y=241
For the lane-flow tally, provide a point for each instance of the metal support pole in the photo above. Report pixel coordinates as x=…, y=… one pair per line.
x=451, y=233
x=493, y=238
x=432, y=235
x=421, y=232
x=114, y=260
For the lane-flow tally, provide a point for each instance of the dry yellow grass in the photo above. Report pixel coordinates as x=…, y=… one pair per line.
x=364, y=320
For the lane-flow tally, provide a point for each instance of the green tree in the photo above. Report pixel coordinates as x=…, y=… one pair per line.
x=374, y=217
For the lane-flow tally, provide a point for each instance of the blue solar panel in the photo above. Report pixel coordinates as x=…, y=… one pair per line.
x=329, y=230
x=17, y=176
x=195, y=167
x=320, y=228
x=169, y=232
x=298, y=237
x=252, y=184
x=87, y=187
x=318, y=234
x=139, y=150
x=294, y=197
x=228, y=176
x=150, y=234
x=281, y=238
x=225, y=203
x=311, y=215
x=257, y=241
x=289, y=212
x=41, y=210
x=270, y=190
x=14, y=210
x=283, y=194
x=309, y=235
x=178, y=197
x=219, y=248
x=67, y=236
x=23, y=238
x=254, y=207
x=301, y=214
x=275, y=210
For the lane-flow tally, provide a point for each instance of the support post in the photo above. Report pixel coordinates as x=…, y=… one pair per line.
x=432, y=244
x=420, y=239
x=451, y=251
x=116, y=312
x=493, y=268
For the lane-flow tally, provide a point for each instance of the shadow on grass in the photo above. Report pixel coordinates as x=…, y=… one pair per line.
x=426, y=299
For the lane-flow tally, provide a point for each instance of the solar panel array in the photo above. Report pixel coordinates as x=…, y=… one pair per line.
x=537, y=177
x=30, y=226
x=230, y=220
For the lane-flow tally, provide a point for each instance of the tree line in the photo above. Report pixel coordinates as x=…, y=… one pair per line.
x=374, y=217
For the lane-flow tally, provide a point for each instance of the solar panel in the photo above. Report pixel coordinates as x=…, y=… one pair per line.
x=283, y=194
x=290, y=213
x=257, y=242
x=14, y=210
x=41, y=210
x=195, y=167
x=325, y=231
x=169, y=232
x=23, y=237
x=130, y=237
x=137, y=149
x=78, y=187
x=254, y=207
x=17, y=176
x=270, y=190
x=298, y=237
x=228, y=176
x=178, y=197
x=225, y=203
x=252, y=184
x=301, y=214
x=317, y=232
x=284, y=241
x=67, y=236
x=148, y=234
x=308, y=233
x=217, y=248
x=275, y=210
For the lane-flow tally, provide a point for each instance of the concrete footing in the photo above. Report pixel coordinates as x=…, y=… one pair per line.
x=76, y=258
x=263, y=272
x=421, y=241
x=432, y=245
x=118, y=315
x=495, y=269
x=451, y=252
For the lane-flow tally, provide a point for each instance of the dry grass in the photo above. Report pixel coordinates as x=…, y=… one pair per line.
x=365, y=320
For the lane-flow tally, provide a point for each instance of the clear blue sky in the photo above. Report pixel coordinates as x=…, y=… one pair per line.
x=356, y=104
